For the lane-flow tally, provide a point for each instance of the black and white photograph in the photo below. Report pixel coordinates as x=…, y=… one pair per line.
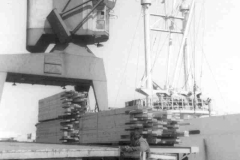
x=119, y=80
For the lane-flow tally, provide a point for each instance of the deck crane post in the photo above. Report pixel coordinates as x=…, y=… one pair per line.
x=147, y=91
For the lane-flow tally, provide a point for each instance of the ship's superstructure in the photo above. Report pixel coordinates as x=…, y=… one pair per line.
x=180, y=67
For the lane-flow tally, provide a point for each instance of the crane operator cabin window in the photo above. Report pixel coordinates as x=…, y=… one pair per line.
x=100, y=20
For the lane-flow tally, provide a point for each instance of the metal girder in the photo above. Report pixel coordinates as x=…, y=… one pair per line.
x=163, y=30
x=167, y=17
x=73, y=65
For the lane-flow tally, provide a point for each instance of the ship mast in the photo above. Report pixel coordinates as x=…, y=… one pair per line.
x=185, y=13
x=185, y=34
x=170, y=43
x=145, y=5
x=186, y=18
x=183, y=49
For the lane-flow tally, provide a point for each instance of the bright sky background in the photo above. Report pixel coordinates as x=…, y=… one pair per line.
x=19, y=105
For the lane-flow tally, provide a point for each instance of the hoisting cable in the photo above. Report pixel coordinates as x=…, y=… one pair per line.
x=181, y=65
x=129, y=53
x=203, y=35
x=156, y=58
x=194, y=59
x=187, y=80
x=157, y=50
x=159, y=39
x=196, y=40
x=224, y=102
x=137, y=66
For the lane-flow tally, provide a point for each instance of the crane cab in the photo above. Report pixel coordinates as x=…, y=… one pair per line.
x=95, y=29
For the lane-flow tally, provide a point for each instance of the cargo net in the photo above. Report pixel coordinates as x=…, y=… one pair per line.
x=59, y=117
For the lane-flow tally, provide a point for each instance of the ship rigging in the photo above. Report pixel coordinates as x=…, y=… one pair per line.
x=180, y=91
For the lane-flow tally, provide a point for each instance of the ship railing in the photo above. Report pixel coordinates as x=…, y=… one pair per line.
x=171, y=103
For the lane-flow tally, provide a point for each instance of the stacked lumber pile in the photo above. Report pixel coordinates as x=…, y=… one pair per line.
x=57, y=131
x=103, y=127
x=59, y=117
x=114, y=126
x=158, y=127
x=63, y=119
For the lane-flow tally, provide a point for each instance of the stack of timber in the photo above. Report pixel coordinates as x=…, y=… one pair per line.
x=103, y=127
x=114, y=126
x=158, y=127
x=59, y=117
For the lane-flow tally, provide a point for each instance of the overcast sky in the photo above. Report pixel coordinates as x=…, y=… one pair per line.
x=19, y=104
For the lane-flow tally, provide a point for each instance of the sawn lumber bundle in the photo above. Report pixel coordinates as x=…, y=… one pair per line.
x=59, y=117
x=57, y=131
x=63, y=104
x=63, y=119
x=114, y=126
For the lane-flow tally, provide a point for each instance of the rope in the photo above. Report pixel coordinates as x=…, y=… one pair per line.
x=159, y=39
x=165, y=7
x=158, y=42
x=203, y=35
x=137, y=68
x=156, y=58
x=201, y=70
x=192, y=58
x=224, y=102
x=153, y=42
x=184, y=85
x=174, y=13
x=194, y=43
x=194, y=61
x=189, y=73
x=196, y=40
x=124, y=73
x=181, y=65
x=191, y=40
x=201, y=17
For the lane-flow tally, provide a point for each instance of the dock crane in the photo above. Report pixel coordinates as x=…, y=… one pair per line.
x=71, y=25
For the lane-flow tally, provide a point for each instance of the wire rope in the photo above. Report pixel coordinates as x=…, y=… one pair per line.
x=224, y=102
x=129, y=53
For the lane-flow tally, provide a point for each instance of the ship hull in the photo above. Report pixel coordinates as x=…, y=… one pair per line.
x=219, y=138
